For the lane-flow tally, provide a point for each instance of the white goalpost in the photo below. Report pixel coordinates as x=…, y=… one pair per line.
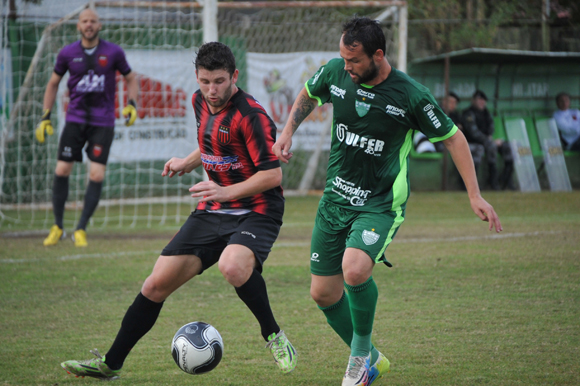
x=278, y=45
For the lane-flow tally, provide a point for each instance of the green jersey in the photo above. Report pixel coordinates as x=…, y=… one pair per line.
x=372, y=132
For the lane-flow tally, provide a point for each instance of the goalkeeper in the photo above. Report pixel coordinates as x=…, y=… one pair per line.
x=90, y=117
x=376, y=109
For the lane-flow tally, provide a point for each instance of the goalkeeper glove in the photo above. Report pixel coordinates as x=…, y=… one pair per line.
x=130, y=113
x=44, y=126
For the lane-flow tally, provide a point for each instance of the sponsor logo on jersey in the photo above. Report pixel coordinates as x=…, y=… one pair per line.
x=77, y=60
x=91, y=82
x=370, y=237
x=431, y=114
x=220, y=164
x=249, y=234
x=317, y=76
x=356, y=196
x=314, y=257
x=97, y=150
x=365, y=94
x=224, y=135
x=372, y=146
x=395, y=111
x=337, y=91
x=362, y=108
x=103, y=60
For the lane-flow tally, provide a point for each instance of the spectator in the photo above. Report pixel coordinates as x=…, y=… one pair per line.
x=479, y=128
x=450, y=103
x=568, y=122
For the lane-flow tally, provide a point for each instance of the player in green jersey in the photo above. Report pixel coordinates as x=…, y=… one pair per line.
x=376, y=110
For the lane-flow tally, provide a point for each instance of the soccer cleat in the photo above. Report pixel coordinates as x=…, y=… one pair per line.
x=54, y=236
x=80, y=238
x=357, y=371
x=283, y=352
x=96, y=368
x=381, y=367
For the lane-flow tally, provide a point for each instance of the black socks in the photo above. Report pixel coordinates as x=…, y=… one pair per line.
x=59, y=196
x=92, y=197
x=138, y=320
x=254, y=294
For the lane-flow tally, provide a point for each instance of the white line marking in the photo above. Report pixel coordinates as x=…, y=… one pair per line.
x=80, y=256
x=439, y=239
x=289, y=244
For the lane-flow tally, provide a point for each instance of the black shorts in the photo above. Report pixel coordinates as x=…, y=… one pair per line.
x=206, y=235
x=74, y=137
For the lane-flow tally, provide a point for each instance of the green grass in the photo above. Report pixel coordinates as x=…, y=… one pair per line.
x=461, y=306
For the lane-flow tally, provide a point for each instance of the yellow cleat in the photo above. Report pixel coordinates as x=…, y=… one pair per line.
x=54, y=236
x=80, y=238
x=380, y=368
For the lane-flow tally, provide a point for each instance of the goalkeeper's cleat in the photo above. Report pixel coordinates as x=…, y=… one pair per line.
x=96, y=368
x=54, y=236
x=357, y=371
x=44, y=127
x=130, y=113
x=80, y=238
x=283, y=352
x=381, y=367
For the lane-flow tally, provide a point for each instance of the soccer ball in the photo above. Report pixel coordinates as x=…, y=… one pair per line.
x=197, y=348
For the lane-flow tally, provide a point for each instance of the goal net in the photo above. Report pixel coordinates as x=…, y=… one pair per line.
x=278, y=46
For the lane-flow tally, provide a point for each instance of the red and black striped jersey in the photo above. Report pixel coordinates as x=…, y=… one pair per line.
x=235, y=144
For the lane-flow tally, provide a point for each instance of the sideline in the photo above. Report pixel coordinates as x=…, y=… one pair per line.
x=439, y=239
x=288, y=244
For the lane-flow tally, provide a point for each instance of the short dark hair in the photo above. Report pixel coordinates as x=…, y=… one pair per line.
x=560, y=96
x=479, y=94
x=365, y=31
x=215, y=56
x=453, y=95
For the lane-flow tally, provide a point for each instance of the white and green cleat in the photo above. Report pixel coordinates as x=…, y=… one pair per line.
x=283, y=352
x=380, y=368
x=96, y=368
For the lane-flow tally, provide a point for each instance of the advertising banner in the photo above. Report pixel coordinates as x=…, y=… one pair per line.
x=276, y=79
x=165, y=125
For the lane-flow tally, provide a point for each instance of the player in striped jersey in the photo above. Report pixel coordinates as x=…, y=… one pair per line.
x=236, y=222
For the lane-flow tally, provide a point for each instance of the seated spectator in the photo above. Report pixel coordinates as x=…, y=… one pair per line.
x=421, y=142
x=568, y=122
x=478, y=128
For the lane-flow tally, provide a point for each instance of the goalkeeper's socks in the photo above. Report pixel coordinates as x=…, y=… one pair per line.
x=92, y=197
x=59, y=196
x=254, y=294
x=363, y=303
x=138, y=320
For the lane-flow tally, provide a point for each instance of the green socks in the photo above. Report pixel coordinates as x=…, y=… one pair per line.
x=339, y=318
x=363, y=303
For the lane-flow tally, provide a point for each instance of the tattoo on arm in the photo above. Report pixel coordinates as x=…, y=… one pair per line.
x=304, y=107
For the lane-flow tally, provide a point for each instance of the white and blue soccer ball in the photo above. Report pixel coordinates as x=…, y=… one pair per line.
x=197, y=348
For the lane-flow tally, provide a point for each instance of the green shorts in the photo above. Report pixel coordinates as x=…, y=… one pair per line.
x=337, y=228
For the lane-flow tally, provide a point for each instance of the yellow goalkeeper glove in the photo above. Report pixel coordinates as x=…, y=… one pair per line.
x=44, y=126
x=130, y=113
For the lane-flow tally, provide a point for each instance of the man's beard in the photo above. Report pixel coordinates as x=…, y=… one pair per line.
x=221, y=101
x=92, y=39
x=371, y=73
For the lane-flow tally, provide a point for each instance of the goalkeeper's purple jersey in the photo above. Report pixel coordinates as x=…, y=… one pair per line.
x=92, y=82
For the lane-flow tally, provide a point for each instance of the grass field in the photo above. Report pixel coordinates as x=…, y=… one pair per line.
x=461, y=306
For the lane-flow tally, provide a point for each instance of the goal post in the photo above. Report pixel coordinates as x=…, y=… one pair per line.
x=278, y=45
